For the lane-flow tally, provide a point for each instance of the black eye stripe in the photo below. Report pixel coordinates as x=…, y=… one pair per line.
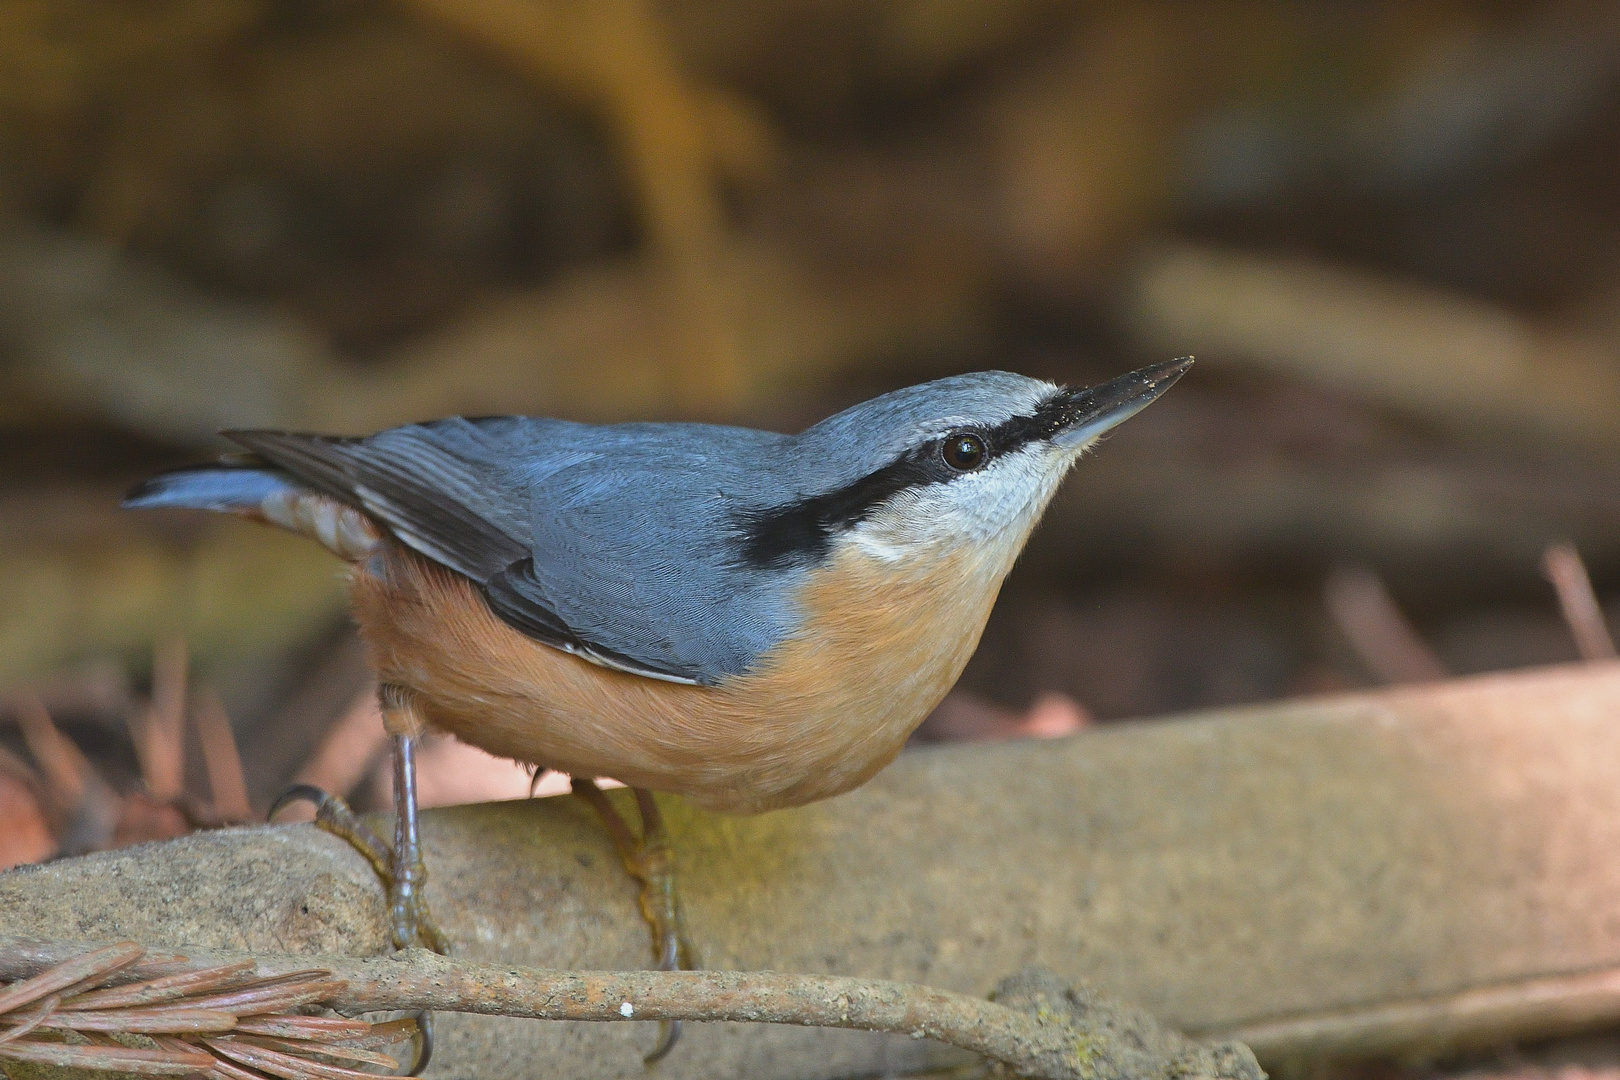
x=801, y=532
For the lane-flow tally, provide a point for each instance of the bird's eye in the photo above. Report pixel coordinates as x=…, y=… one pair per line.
x=964, y=451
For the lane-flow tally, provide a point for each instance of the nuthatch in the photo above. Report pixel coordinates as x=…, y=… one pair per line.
x=748, y=619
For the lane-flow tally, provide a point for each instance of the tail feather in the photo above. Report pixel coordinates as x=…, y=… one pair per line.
x=228, y=488
x=263, y=493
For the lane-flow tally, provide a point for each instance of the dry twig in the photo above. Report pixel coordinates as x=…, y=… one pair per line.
x=1377, y=629
x=159, y=730
x=1563, y=567
x=1063, y=1035
x=1425, y=351
x=226, y=781
x=64, y=765
x=83, y=808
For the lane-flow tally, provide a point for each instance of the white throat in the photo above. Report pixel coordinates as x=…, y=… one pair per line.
x=993, y=509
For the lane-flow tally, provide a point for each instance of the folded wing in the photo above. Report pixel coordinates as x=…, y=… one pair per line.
x=613, y=544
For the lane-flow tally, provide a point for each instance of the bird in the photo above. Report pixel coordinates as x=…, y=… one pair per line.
x=748, y=619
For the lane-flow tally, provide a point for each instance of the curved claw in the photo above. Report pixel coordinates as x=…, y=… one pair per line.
x=647, y=858
x=669, y=1033
x=423, y=1044
x=540, y=773
x=403, y=876
x=298, y=792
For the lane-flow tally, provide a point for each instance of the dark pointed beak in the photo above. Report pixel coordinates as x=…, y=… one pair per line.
x=1083, y=413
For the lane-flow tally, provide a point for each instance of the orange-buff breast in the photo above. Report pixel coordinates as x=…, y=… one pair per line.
x=819, y=714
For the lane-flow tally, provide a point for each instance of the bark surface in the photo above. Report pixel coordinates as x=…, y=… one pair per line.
x=1437, y=856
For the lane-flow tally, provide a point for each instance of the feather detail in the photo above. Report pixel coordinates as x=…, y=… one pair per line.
x=820, y=714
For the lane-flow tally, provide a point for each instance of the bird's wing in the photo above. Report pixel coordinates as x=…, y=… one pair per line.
x=428, y=483
x=590, y=540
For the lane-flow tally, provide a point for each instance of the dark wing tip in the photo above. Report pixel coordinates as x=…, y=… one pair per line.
x=137, y=497
x=253, y=438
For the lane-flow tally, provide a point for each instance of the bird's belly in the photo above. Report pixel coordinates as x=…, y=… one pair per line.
x=819, y=714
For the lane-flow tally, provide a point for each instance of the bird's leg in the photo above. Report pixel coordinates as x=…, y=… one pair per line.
x=648, y=860
x=411, y=923
x=400, y=867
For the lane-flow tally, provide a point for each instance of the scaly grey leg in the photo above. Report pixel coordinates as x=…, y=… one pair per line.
x=648, y=860
x=400, y=867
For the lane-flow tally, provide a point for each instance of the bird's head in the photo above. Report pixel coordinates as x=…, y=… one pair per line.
x=972, y=459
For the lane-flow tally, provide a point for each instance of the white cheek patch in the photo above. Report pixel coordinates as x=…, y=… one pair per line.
x=996, y=505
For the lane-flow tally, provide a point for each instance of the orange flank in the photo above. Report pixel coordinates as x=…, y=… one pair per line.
x=880, y=644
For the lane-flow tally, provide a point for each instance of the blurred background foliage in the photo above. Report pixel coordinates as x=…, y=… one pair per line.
x=1388, y=230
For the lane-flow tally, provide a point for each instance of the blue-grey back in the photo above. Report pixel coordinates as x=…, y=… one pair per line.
x=634, y=534
x=630, y=543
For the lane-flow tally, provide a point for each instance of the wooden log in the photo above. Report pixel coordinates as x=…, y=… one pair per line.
x=1396, y=872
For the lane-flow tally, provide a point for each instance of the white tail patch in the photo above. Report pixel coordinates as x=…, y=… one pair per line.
x=342, y=530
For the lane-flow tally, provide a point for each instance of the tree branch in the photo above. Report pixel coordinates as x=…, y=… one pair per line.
x=1059, y=1033
x=1373, y=873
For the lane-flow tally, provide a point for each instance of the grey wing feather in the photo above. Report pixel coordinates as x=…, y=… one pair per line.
x=413, y=479
x=603, y=548
x=639, y=546
x=439, y=503
x=511, y=597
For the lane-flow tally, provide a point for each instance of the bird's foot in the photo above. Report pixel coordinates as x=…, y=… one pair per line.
x=647, y=858
x=410, y=922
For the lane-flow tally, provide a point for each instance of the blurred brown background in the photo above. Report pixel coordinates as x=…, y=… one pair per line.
x=1388, y=231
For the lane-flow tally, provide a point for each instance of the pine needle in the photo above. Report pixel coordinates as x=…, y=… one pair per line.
x=221, y=1020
